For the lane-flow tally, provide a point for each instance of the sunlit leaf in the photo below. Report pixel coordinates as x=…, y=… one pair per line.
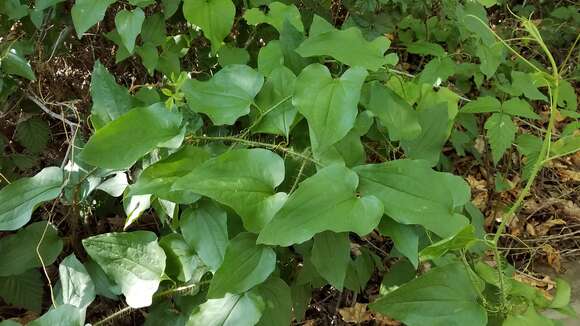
x=324, y=202
x=133, y=260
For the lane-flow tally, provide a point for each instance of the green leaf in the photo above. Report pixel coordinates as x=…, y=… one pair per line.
x=359, y=52
x=14, y=63
x=349, y=150
x=23, y=290
x=33, y=134
x=427, y=146
x=437, y=70
x=404, y=237
x=488, y=3
x=462, y=240
x=474, y=18
x=62, y=315
x=86, y=13
x=423, y=47
x=166, y=313
x=270, y=57
x=75, y=284
x=360, y=270
x=13, y=9
x=529, y=318
x=20, y=198
x=563, y=292
x=205, y=229
x=401, y=120
x=500, y=132
x=329, y=105
x=229, y=55
x=331, y=256
x=290, y=40
x=278, y=115
x=243, y=179
x=170, y=7
x=141, y=3
x=301, y=295
x=412, y=193
x=566, y=145
x=529, y=146
x=275, y=15
x=18, y=251
x=567, y=96
x=133, y=260
x=519, y=107
x=225, y=97
x=37, y=18
x=120, y=143
x=239, y=310
x=110, y=100
x=103, y=284
x=277, y=300
x=214, y=17
x=399, y=273
x=491, y=276
x=149, y=57
x=153, y=30
x=245, y=265
x=443, y=296
x=128, y=25
x=490, y=57
x=158, y=178
x=482, y=104
x=134, y=206
x=182, y=262
x=524, y=83
x=326, y=201
x=121, y=53
x=169, y=63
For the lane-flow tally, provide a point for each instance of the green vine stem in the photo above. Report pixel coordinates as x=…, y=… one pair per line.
x=163, y=294
x=544, y=152
x=553, y=82
x=253, y=143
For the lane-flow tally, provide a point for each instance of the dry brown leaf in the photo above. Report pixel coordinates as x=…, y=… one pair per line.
x=355, y=249
x=559, y=116
x=516, y=226
x=545, y=227
x=356, y=314
x=383, y=320
x=569, y=175
x=531, y=229
x=531, y=206
x=479, y=191
x=310, y=322
x=480, y=200
x=575, y=159
x=543, y=285
x=28, y=317
x=479, y=144
x=570, y=209
x=553, y=257
x=476, y=184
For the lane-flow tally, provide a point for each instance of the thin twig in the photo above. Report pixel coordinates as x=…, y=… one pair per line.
x=43, y=107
